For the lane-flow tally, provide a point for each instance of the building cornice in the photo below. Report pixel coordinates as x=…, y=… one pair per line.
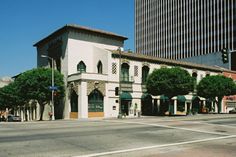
x=155, y=60
x=78, y=28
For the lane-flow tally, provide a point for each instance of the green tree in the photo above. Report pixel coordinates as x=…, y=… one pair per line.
x=217, y=86
x=9, y=98
x=34, y=85
x=169, y=82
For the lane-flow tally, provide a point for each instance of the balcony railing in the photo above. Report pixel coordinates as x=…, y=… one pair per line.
x=126, y=84
x=128, y=79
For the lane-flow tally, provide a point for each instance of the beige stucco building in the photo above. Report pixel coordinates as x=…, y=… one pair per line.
x=92, y=60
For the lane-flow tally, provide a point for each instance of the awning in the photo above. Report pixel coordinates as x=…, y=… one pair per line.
x=181, y=98
x=195, y=98
x=163, y=97
x=125, y=96
x=146, y=96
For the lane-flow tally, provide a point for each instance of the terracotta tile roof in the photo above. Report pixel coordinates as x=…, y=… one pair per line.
x=141, y=57
x=79, y=28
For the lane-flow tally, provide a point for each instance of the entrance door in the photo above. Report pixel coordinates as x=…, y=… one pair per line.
x=125, y=105
x=147, y=106
x=95, y=104
x=74, y=105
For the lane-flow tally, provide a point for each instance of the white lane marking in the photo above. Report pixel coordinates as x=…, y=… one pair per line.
x=226, y=126
x=155, y=146
x=173, y=127
x=205, y=123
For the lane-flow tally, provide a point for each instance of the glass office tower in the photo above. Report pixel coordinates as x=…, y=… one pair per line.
x=178, y=29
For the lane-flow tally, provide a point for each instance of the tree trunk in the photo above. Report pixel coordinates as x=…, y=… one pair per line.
x=26, y=115
x=41, y=111
x=171, y=106
x=219, y=104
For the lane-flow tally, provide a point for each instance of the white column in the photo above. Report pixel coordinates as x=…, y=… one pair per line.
x=67, y=106
x=222, y=106
x=158, y=105
x=38, y=111
x=204, y=104
x=30, y=115
x=22, y=114
x=107, y=109
x=18, y=112
x=175, y=106
x=33, y=113
x=139, y=110
x=27, y=114
x=185, y=107
x=83, y=100
x=191, y=106
x=153, y=105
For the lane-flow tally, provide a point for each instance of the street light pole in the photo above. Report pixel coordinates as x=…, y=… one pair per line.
x=120, y=114
x=52, y=105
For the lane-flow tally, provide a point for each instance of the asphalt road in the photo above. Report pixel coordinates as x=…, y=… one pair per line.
x=201, y=135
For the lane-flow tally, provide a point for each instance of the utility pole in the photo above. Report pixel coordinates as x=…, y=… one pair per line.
x=120, y=112
x=52, y=115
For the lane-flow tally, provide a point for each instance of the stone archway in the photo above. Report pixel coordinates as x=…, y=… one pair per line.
x=95, y=104
x=74, y=101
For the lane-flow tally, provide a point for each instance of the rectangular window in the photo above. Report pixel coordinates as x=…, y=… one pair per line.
x=114, y=68
x=135, y=70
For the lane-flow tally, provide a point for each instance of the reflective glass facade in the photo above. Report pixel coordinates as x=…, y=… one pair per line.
x=177, y=29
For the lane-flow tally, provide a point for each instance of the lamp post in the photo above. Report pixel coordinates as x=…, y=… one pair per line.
x=120, y=114
x=52, y=105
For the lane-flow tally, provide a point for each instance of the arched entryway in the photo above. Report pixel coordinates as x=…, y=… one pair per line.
x=146, y=104
x=195, y=104
x=74, y=105
x=95, y=104
x=126, y=100
x=181, y=103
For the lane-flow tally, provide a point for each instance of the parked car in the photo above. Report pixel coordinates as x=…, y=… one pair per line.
x=13, y=118
x=232, y=111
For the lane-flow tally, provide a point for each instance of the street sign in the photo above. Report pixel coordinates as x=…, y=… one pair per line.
x=53, y=87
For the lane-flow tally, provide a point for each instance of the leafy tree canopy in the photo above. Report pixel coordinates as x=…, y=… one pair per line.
x=34, y=85
x=9, y=97
x=216, y=86
x=170, y=82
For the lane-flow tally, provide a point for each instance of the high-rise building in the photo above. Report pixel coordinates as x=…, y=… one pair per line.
x=178, y=29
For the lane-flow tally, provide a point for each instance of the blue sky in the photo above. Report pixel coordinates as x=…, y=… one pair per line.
x=24, y=22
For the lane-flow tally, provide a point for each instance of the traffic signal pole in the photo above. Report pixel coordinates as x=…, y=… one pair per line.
x=230, y=55
x=225, y=55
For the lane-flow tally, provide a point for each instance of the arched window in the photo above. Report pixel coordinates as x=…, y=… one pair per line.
x=99, y=67
x=145, y=71
x=74, y=102
x=194, y=75
x=95, y=101
x=125, y=72
x=81, y=67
